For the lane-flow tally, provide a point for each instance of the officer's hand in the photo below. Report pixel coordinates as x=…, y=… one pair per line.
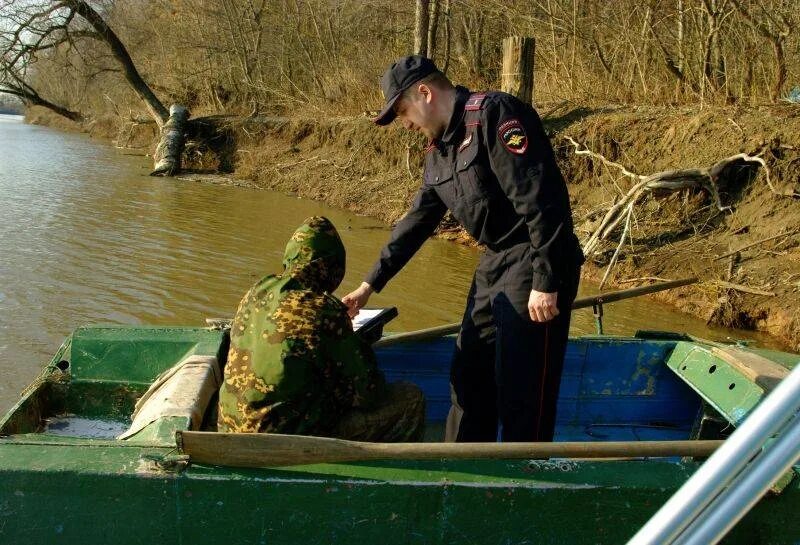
x=356, y=299
x=542, y=306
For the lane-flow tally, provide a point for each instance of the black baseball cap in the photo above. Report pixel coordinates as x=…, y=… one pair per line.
x=401, y=75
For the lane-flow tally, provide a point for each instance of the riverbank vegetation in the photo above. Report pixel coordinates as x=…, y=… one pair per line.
x=282, y=57
x=629, y=90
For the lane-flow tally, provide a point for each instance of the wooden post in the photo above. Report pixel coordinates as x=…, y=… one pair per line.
x=518, y=60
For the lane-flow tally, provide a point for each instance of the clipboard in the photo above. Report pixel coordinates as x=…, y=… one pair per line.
x=368, y=323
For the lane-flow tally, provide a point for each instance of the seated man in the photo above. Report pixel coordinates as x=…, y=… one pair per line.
x=295, y=365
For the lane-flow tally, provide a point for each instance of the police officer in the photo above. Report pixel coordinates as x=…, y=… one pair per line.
x=491, y=164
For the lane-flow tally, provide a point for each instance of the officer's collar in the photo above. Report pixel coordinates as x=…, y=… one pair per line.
x=455, y=124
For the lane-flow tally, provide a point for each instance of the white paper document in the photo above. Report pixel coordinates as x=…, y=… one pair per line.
x=365, y=315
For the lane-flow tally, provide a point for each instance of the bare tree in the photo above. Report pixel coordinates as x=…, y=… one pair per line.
x=433, y=26
x=38, y=27
x=674, y=56
x=421, y=27
x=14, y=82
x=471, y=41
x=713, y=66
x=774, y=25
x=447, y=35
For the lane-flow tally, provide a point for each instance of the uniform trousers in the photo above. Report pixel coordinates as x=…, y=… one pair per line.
x=506, y=369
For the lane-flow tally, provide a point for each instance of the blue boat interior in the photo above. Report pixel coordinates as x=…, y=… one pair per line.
x=612, y=389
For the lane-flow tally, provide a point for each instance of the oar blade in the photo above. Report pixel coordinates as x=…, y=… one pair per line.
x=266, y=449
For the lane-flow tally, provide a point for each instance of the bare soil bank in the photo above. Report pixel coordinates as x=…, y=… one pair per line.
x=350, y=163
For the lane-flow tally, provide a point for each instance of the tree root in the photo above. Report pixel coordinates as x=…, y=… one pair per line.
x=666, y=181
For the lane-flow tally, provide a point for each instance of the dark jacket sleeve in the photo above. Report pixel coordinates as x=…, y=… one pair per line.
x=532, y=182
x=427, y=210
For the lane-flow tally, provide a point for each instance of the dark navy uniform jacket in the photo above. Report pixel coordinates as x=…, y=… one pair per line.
x=494, y=169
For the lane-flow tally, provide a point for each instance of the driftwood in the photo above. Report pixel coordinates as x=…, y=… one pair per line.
x=670, y=180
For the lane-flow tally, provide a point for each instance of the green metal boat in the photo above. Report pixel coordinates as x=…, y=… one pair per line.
x=66, y=478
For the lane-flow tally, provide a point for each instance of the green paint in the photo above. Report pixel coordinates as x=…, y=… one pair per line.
x=722, y=386
x=86, y=491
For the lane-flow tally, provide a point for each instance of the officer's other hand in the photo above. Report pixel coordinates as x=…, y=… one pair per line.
x=356, y=299
x=542, y=306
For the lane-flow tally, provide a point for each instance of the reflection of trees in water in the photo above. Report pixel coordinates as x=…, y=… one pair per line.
x=11, y=105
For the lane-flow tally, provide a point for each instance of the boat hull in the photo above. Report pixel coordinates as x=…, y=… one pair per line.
x=63, y=489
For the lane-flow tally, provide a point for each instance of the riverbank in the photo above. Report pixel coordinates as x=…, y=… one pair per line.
x=349, y=163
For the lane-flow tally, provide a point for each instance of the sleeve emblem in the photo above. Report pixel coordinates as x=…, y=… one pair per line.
x=513, y=137
x=464, y=143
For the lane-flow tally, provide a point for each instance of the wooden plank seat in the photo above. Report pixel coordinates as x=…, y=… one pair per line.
x=182, y=391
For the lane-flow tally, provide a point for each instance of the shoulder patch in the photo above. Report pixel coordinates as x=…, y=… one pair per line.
x=512, y=135
x=475, y=102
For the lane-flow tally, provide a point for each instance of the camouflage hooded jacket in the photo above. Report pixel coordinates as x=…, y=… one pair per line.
x=294, y=364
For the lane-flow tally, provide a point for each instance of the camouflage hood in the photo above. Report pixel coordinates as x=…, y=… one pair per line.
x=315, y=256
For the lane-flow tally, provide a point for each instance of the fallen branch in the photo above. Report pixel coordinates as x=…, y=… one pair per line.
x=590, y=153
x=619, y=246
x=756, y=243
x=670, y=180
x=649, y=278
x=740, y=287
x=295, y=163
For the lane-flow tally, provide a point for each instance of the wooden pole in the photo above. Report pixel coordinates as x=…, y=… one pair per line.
x=271, y=450
x=518, y=59
x=583, y=302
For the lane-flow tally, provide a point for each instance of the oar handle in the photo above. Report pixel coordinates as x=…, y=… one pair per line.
x=583, y=302
x=613, y=296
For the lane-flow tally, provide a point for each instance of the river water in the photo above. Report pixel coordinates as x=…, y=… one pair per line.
x=86, y=237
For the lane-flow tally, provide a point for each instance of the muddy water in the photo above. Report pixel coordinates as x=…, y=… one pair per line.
x=87, y=237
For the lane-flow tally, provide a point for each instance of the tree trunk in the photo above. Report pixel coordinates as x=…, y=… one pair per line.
x=780, y=69
x=433, y=27
x=776, y=38
x=471, y=42
x=680, y=22
x=167, y=157
x=711, y=53
x=518, y=58
x=421, y=28
x=447, y=35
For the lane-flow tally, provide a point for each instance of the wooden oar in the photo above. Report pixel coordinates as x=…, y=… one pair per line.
x=271, y=450
x=602, y=298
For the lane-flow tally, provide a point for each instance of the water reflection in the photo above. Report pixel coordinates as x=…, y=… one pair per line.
x=88, y=237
